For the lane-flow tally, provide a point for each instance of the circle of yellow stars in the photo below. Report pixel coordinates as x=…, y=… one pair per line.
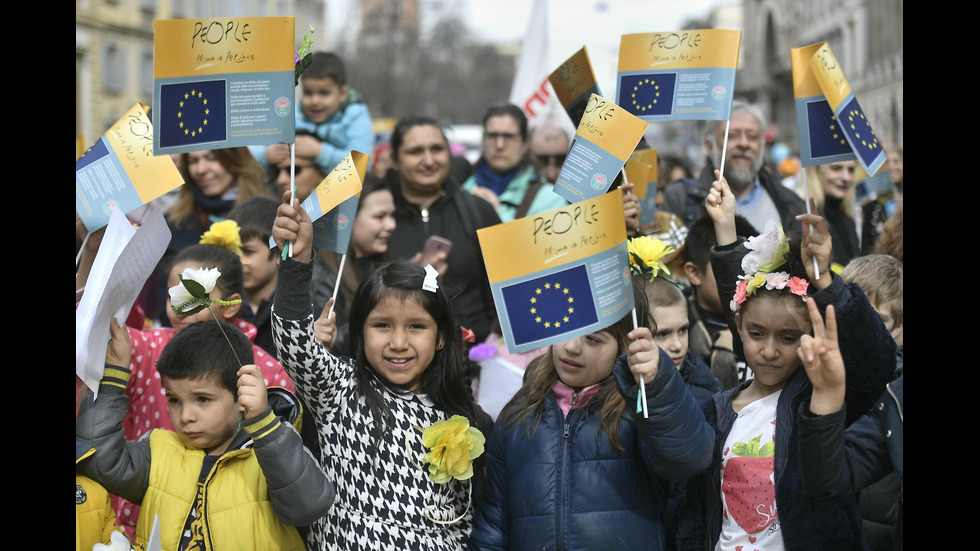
x=556, y=288
x=636, y=90
x=855, y=117
x=188, y=129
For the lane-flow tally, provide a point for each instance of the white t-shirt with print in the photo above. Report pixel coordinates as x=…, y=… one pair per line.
x=748, y=490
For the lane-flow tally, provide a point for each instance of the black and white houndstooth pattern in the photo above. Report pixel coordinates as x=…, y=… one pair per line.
x=382, y=499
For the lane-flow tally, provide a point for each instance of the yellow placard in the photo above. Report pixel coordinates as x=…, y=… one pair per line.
x=647, y=157
x=186, y=47
x=553, y=238
x=343, y=182
x=638, y=174
x=131, y=137
x=829, y=75
x=679, y=49
x=573, y=78
x=805, y=84
x=611, y=127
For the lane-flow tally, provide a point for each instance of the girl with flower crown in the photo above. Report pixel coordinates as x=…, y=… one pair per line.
x=570, y=465
x=398, y=430
x=752, y=494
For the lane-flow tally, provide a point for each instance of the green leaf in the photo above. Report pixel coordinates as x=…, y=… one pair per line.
x=183, y=310
x=768, y=450
x=749, y=449
x=303, y=65
x=194, y=288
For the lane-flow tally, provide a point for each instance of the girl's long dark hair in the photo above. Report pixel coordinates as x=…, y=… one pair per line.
x=527, y=405
x=443, y=381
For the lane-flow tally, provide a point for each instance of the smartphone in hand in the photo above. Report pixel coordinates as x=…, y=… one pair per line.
x=436, y=244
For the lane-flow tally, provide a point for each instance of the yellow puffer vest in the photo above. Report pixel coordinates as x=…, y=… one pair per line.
x=238, y=513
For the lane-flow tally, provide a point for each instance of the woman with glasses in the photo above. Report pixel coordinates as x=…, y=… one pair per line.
x=503, y=176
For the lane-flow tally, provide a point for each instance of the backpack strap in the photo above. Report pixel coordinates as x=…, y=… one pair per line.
x=529, y=195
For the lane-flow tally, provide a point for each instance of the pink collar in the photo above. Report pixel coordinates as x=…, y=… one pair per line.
x=568, y=397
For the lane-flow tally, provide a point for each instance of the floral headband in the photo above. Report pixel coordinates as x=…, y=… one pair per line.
x=767, y=252
x=646, y=256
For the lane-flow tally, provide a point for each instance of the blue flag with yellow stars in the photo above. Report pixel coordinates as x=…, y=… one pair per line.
x=546, y=306
x=649, y=94
x=822, y=139
x=192, y=113
x=857, y=129
x=818, y=77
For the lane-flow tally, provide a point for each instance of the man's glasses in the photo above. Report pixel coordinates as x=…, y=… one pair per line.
x=558, y=159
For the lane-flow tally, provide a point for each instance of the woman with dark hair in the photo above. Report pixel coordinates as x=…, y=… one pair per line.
x=428, y=203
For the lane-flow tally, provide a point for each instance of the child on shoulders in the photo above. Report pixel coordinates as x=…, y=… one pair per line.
x=330, y=122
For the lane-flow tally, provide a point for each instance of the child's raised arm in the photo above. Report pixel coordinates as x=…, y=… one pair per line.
x=824, y=364
x=644, y=355
x=816, y=244
x=293, y=225
x=252, y=395
x=720, y=206
x=325, y=326
x=119, y=351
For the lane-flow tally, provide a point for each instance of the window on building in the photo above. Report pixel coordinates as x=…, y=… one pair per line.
x=113, y=68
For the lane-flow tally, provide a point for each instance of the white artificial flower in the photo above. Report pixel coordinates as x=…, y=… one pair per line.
x=767, y=251
x=186, y=299
x=206, y=277
x=119, y=542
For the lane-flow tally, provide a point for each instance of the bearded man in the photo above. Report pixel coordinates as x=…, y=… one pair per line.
x=759, y=194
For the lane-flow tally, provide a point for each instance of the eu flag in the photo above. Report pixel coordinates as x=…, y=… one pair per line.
x=648, y=94
x=192, y=113
x=863, y=141
x=546, y=306
x=824, y=130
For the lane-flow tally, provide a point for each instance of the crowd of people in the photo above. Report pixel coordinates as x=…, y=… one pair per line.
x=322, y=400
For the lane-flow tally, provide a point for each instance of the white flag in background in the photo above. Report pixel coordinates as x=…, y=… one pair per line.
x=531, y=90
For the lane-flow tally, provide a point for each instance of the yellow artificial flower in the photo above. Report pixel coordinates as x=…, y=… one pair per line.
x=646, y=255
x=224, y=234
x=756, y=281
x=454, y=444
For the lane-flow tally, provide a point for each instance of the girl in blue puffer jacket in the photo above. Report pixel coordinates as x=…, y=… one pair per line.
x=570, y=466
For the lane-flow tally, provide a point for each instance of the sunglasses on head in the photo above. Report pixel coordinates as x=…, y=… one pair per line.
x=558, y=159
